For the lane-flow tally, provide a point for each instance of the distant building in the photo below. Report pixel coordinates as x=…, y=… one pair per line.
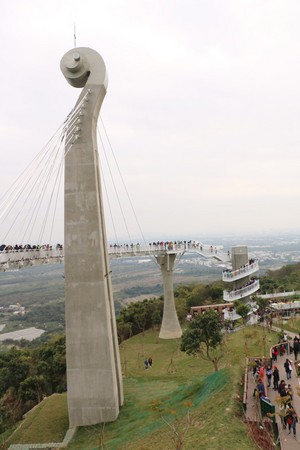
x=14, y=307
x=223, y=309
x=288, y=308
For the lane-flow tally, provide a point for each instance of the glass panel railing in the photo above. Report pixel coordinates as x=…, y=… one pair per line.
x=244, y=291
x=248, y=269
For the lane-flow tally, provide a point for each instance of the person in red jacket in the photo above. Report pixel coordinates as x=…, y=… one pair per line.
x=275, y=353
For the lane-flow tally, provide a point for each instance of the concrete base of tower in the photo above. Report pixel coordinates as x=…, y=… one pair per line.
x=170, y=334
x=89, y=415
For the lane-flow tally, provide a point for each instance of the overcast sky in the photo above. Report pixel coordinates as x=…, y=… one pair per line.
x=202, y=108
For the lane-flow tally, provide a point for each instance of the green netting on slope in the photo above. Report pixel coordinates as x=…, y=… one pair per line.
x=149, y=401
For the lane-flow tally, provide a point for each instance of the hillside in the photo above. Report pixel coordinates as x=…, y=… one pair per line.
x=287, y=278
x=179, y=394
x=179, y=391
x=41, y=290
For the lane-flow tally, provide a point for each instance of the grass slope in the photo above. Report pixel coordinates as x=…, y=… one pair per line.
x=292, y=324
x=179, y=397
x=48, y=422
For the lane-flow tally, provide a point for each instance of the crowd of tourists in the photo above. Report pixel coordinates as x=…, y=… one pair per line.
x=163, y=245
x=248, y=285
x=27, y=247
x=271, y=378
x=244, y=268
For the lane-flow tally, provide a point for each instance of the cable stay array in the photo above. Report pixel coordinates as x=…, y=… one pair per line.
x=118, y=202
x=30, y=207
x=31, y=210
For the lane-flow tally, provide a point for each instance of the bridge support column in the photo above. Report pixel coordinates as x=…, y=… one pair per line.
x=170, y=327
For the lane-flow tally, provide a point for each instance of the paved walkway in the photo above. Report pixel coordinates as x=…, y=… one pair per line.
x=288, y=442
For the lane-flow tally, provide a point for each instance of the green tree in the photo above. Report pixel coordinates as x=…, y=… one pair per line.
x=51, y=364
x=200, y=294
x=286, y=278
x=14, y=368
x=242, y=310
x=123, y=329
x=156, y=319
x=32, y=389
x=204, y=338
x=140, y=315
x=262, y=303
x=182, y=309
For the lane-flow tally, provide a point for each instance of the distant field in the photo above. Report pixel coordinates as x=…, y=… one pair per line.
x=27, y=333
x=41, y=290
x=32, y=286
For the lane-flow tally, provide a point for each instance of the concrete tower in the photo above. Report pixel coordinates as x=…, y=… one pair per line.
x=94, y=379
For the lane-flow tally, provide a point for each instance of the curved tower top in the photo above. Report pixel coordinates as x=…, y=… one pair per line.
x=83, y=66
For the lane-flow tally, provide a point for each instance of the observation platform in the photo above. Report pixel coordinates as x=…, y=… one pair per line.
x=12, y=259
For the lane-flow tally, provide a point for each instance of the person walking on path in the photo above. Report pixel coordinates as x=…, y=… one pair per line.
x=292, y=420
x=274, y=353
x=296, y=347
x=281, y=387
x=261, y=388
x=288, y=368
x=289, y=392
x=283, y=392
x=269, y=372
x=276, y=378
x=283, y=410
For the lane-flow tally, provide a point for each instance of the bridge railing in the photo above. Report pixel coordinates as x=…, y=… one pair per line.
x=232, y=275
x=29, y=254
x=16, y=258
x=236, y=294
x=162, y=246
x=123, y=249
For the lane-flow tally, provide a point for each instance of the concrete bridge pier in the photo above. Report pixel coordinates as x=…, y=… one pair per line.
x=170, y=327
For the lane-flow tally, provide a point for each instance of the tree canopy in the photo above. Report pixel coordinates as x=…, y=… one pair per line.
x=204, y=338
x=27, y=375
x=242, y=310
x=287, y=278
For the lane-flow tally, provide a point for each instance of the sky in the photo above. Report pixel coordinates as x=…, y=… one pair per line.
x=202, y=109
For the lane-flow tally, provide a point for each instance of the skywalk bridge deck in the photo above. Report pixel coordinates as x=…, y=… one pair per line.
x=18, y=259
